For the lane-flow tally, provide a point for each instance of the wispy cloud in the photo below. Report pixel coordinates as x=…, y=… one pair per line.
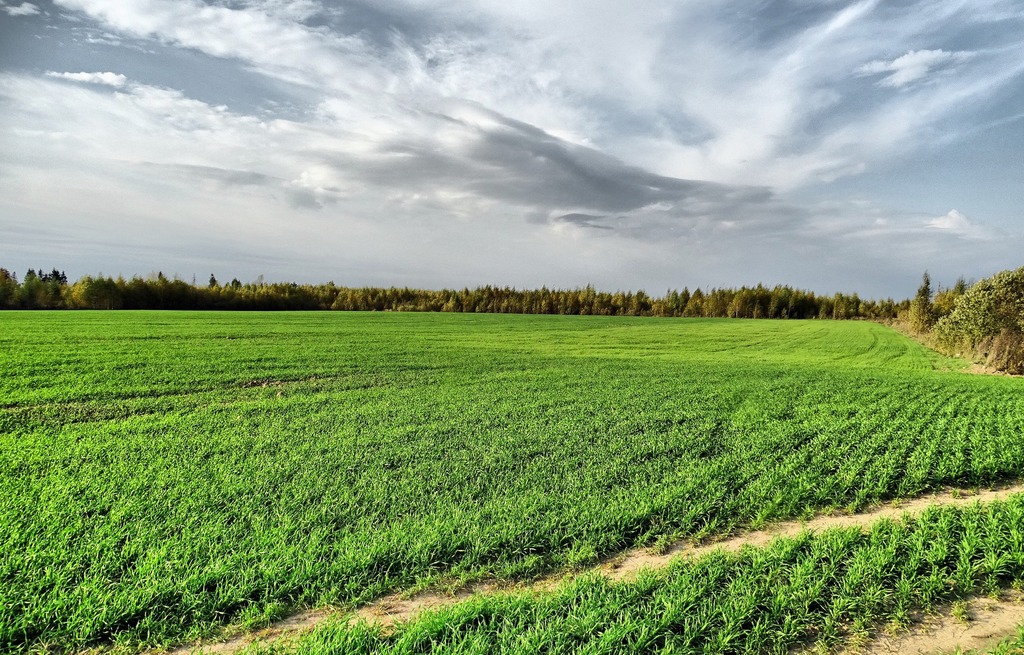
x=912, y=67
x=754, y=111
x=24, y=9
x=115, y=80
x=275, y=42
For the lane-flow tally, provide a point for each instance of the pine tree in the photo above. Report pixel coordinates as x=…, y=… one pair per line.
x=921, y=316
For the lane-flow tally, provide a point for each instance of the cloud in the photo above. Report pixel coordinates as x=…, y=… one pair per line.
x=956, y=223
x=767, y=106
x=911, y=67
x=227, y=177
x=24, y=9
x=264, y=35
x=292, y=10
x=582, y=220
x=535, y=137
x=909, y=236
x=115, y=80
x=471, y=164
x=470, y=156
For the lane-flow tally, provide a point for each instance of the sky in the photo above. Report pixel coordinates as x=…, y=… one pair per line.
x=830, y=145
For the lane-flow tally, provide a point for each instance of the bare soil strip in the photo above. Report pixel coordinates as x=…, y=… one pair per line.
x=398, y=607
x=981, y=625
x=628, y=565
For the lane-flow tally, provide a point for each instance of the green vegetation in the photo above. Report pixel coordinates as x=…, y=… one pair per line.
x=921, y=314
x=984, y=322
x=987, y=320
x=162, y=474
x=52, y=291
x=816, y=588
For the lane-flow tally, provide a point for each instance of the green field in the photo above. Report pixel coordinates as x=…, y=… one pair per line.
x=163, y=474
x=816, y=588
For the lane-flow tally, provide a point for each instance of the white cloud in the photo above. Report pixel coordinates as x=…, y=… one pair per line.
x=115, y=80
x=683, y=89
x=294, y=10
x=24, y=9
x=955, y=222
x=276, y=44
x=911, y=67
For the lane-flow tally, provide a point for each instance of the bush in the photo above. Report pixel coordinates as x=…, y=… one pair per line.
x=988, y=322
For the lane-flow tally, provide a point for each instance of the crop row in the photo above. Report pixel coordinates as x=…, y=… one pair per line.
x=810, y=590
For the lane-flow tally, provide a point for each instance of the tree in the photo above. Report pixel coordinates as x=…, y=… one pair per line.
x=695, y=305
x=96, y=293
x=32, y=292
x=945, y=299
x=991, y=306
x=8, y=288
x=921, y=315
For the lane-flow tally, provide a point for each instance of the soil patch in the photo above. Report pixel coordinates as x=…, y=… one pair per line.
x=283, y=630
x=979, y=625
x=983, y=369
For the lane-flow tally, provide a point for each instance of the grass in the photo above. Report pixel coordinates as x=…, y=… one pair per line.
x=163, y=474
x=821, y=589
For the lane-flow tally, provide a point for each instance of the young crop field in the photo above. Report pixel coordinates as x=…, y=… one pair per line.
x=165, y=474
x=772, y=599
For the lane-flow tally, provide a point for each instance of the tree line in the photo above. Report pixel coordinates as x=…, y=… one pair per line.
x=983, y=321
x=39, y=290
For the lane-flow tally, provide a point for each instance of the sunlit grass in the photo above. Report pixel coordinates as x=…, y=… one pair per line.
x=162, y=474
x=817, y=592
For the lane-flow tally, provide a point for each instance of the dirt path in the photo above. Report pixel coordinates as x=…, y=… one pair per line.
x=629, y=564
x=399, y=607
x=979, y=625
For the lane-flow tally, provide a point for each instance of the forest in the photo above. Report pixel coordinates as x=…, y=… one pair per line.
x=41, y=290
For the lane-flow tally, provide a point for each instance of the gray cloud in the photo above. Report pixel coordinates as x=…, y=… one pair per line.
x=225, y=177
x=495, y=158
x=583, y=220
x=233, y=179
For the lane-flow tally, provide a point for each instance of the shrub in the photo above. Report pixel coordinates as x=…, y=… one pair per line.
x=988, y=321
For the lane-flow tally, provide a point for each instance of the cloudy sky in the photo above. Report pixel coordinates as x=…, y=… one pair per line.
x=829, y=144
